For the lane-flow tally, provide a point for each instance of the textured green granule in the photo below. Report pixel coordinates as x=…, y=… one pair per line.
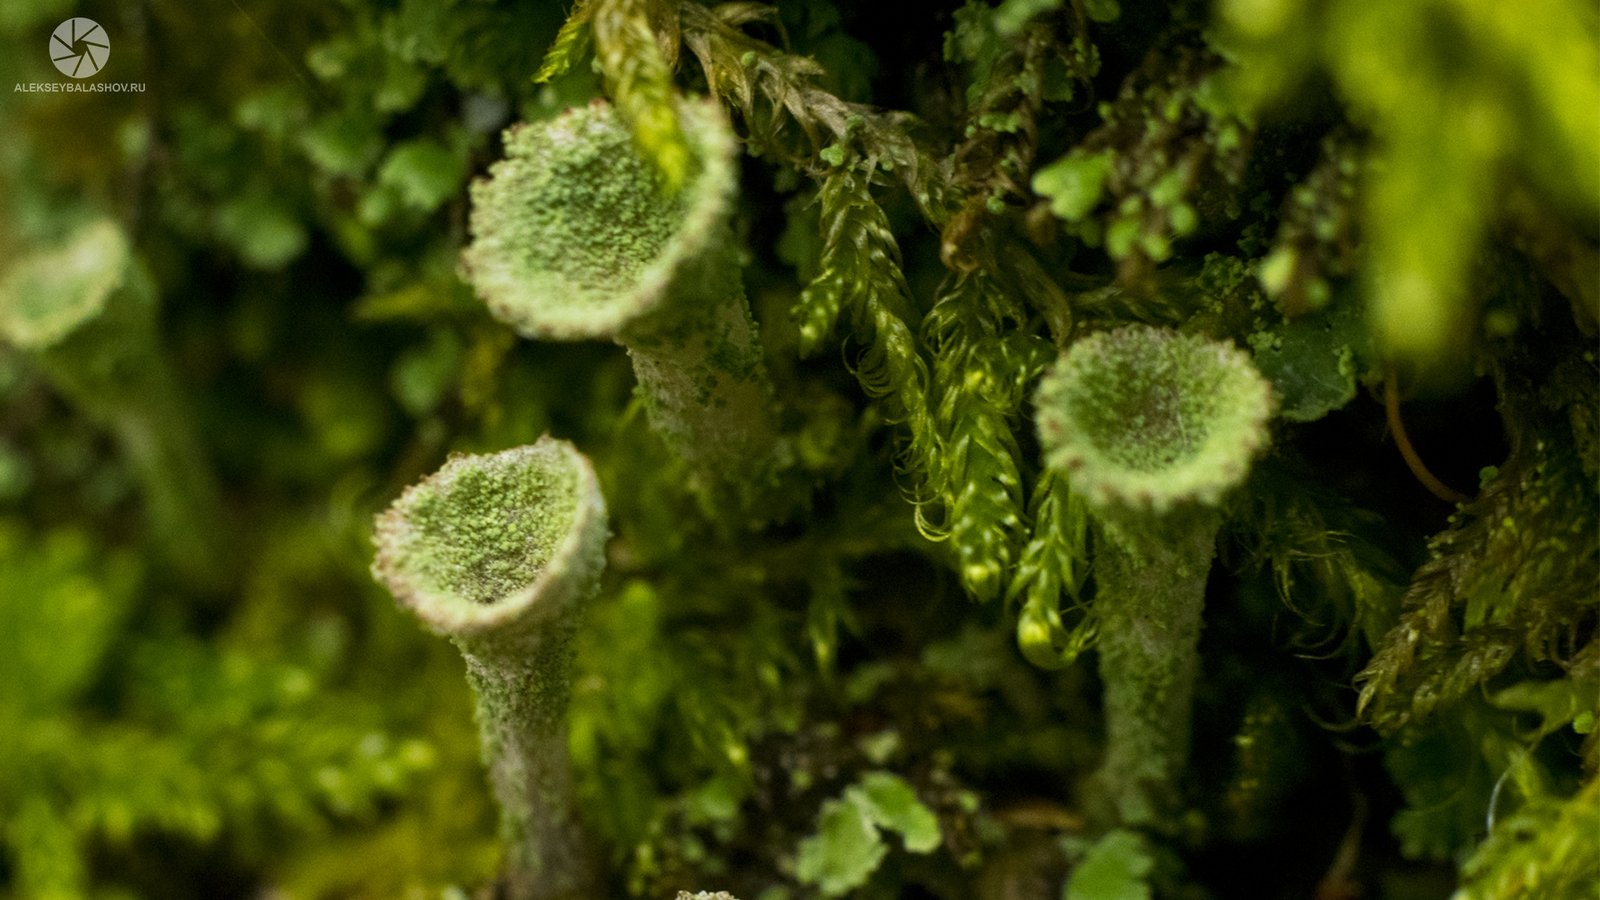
x=574, y=234
x=1146, y=417
x=591, y=210
x=484, y=531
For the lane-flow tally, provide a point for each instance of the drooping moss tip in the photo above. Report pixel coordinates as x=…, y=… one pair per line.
x=574, y=233
x=477, y=543
x=50, y=294
x=1145, y=418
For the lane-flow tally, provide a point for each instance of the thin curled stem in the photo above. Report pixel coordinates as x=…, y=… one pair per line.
x=1391, y=405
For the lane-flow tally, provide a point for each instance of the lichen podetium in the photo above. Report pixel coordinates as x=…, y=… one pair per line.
x=85, y=313
x=575, y=236
x=1153, y=428
x=498, y=553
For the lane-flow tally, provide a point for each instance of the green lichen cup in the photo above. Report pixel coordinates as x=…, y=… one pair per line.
x=1153, y=429
x=85, y=313
x=576, y=237
x=1147, y=420
x=498, y=553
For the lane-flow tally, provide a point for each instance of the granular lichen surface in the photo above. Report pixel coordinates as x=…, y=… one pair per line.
x=484, y=532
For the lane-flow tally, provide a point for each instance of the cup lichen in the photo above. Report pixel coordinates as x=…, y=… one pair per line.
x=85, y=313
x=1146, y=420
x=1153, y=428
x=498, y=553
x=576, y=237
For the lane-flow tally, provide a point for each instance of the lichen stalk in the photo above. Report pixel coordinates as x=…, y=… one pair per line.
x=498, y=553
x=576, y=236
x=85, y=313
x=1154, y=428
x=702, y=373
x=1150, y=602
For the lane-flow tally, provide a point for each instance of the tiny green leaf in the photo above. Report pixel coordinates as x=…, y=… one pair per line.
x=1312, y=360
x=425, y=172
x=1115, y=869
x=892, y=803
x=844, y=851
x=1074, y=183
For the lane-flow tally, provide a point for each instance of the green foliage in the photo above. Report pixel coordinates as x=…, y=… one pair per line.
x=1513, y=578
x=570, y=43
x=848, y=846
x=776, y=93
x=1166, y=165
x=1324, y=556
x=1115, y=868
x=980, y=372
x=1449, y=781
x=1074, y=183
x=62, y=612
x=1316, y=242
x=1053, y=563
x=859, y=280
x=843, y=853
x=1541, y=849
x=424, y=172
x=1314, y=361
x=640, y=83
x=1017, y=61
x=1465, y=100
x=199, y=742
x=893, y=805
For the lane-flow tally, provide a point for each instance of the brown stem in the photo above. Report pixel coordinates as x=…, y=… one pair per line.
x=1391, y=403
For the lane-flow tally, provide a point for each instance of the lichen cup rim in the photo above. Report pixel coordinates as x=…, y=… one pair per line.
x=91, y=265
x=539, y=305
x=1239, y=402
x=575, y=559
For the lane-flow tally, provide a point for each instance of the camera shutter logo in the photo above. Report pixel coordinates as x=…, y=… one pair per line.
x=79, y=47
